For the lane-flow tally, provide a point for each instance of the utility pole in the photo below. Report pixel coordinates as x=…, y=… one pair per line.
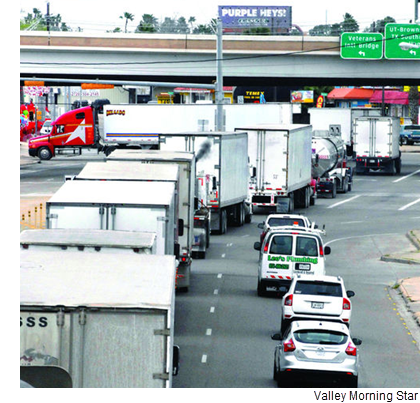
x=416, y=10
x=219, y=78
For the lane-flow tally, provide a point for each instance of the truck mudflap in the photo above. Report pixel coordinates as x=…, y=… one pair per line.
x=387, y=164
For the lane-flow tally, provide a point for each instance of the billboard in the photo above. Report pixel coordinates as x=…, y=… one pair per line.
x=272, y=17
x=302, y=97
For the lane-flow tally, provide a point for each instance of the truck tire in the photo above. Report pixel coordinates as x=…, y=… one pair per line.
x=307, y=197
x=44, y=154
x=223, y=222
x=398, y=165
x=334, y=191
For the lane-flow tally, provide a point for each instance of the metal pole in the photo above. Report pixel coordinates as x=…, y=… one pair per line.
x=416, y=11
x=219, y=79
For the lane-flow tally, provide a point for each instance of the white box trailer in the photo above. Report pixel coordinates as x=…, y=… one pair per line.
x=89, y=241
x=141, y=124
x=222, y=170
x=280, y=161
x=127, y=171
x=107, y=319
x=376, y=144
x=196, y=218
x=118, y=205
x=339, y=120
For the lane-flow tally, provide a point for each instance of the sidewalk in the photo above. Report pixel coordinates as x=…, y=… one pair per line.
x=409, y=287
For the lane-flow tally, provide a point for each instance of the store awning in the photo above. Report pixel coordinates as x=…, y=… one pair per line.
x=350, y=93
x=390, y=97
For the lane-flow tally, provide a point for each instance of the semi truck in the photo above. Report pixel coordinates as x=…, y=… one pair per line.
x=108, y=319
x=376, y=143
x=329, y=163
x=192, y=208
x=128, y=171
x=280, y=167
x=222, y=172
x=122, y=206
x=107, y=127
x=89, y=241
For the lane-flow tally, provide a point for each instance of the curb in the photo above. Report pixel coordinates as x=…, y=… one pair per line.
x=407, y=300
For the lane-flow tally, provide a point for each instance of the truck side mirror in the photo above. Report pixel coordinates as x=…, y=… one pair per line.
x=260, y=225
x=349, y=150
x=214, y=183
x=254, y=172
x=195, y=203
x=180, y=227
x=327, y=250
x=350, y=293
x=175, y=360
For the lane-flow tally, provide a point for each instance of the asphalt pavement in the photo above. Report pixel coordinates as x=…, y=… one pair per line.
x=409, y=287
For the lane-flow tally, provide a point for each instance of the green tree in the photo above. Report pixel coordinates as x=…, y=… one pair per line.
x=127, y=17
x=349, y=24
x=182, y=26
x=168, y=26
x=379, y=25
x=148, y=23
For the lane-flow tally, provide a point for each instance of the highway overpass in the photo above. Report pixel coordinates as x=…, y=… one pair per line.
x=247, y=60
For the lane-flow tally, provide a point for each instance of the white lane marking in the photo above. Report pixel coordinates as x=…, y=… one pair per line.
x=216, y=292
x=352, y=222
x=223, y=256
x=407, y=176
x=409, y=205
x=204, y=358
x=212, y=309
x=219, y=275
x=244, y=236
x=229, y=244
x=208, y=332
x=344, y=201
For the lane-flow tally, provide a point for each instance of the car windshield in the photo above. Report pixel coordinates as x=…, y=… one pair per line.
x=306, y=246
x=281, y=245
x=318, y=288
x=312, y=336
x=281, y=221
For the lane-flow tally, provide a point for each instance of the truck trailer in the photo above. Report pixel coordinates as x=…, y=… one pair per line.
x=376, y=143
x=222, y=172
x=127, y=171
x=192, y=209
x=107, y=127
x=119, y=205
x=107, y=319
x=280, y=166
x=329, y=163
x=89, y=241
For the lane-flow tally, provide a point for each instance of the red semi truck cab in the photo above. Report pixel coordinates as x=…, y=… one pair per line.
x=71, y=131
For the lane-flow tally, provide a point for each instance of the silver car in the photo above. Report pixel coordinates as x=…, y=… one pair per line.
x=317, y=350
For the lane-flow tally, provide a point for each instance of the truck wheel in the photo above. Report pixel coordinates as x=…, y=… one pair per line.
x=223, y=222
x=334, y=191
x=261, y=290
x=398, y=165
x=44, y=153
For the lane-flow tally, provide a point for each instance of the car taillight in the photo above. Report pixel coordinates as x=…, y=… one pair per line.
x=289, y=346
x=346, y=304
x=289, y=300
x=266, y=248
x=351, y=350
x=321, y=250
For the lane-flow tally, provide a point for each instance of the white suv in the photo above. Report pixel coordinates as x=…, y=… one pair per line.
x=316, y=298
x=286, y=252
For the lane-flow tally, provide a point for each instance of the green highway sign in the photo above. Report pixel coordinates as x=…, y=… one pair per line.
x=367, y=46
x=402, y=41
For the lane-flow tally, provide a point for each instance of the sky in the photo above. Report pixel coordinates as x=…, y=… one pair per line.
x=96, y=16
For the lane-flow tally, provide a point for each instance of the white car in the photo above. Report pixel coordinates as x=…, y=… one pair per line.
x=316, y=298
x=316, y=350
x=285, y=253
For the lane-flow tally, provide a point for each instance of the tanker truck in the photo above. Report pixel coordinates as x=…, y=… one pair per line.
x=329, y=163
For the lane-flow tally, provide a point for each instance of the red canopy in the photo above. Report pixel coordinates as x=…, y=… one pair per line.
x=350, y=93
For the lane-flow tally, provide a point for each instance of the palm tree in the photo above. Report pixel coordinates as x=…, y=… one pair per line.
x=127, y=16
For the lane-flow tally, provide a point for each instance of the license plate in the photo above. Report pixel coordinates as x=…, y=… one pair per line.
x=304, y=266
x=372, y=161
x=317, y=305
